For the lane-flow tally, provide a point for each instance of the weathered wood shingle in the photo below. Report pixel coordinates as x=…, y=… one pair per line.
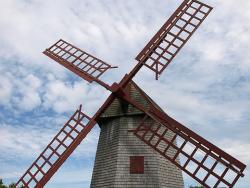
x=116, y=145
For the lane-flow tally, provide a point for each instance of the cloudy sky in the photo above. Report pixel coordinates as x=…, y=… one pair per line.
x=207, y=87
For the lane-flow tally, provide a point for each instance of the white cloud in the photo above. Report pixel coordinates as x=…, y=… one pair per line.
x=6, y=90
x=29, y=93
x=237, y=148
x=23, y=142
x=65, y=97
x=62, y=97
x=213, y=51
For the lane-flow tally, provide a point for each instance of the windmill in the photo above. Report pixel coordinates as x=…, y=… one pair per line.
x=166, y=137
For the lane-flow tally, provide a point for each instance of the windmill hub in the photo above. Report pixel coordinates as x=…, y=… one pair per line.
x=116, y=89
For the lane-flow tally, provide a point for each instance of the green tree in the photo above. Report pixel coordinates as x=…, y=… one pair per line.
x=2, y=185
x=12, y=185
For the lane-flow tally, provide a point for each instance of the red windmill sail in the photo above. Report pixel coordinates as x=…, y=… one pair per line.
x=58, y=150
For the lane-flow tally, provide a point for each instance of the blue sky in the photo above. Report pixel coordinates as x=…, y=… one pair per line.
x=207, y=86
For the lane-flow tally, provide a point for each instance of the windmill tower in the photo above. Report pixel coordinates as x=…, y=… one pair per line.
x=122, y=160
x=139, y=145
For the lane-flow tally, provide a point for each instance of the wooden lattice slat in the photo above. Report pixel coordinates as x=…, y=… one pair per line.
x=172, y=36
x=80, y=62
x=203, y=161
x=58, y=150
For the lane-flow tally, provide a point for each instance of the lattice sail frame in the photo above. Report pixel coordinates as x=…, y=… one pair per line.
x=172, y=36
x=200, y=159
x=58, y=150
x=80, y=62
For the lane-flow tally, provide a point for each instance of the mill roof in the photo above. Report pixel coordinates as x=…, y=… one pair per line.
x=120, y=107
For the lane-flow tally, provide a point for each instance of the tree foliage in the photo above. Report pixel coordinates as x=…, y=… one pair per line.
x=12, y=185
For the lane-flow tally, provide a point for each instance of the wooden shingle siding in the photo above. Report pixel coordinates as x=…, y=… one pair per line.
x=116, y=145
